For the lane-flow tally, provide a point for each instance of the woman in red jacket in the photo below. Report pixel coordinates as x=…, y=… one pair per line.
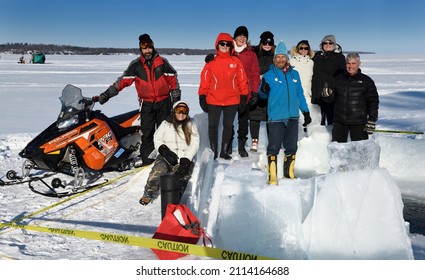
x=248, y=57
x=223, y=88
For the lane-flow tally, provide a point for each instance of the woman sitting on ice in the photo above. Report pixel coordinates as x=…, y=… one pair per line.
x=177, y=141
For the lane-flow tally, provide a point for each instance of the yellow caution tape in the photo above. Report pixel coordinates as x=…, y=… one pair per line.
x=78, y=194
x=145, y=242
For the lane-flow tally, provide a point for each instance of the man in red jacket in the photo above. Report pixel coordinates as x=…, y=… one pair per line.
x=157, y=89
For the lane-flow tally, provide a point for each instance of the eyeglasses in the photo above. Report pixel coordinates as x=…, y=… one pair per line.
x=181, y=110
x=303, y=48
x=225, y=44
x=146, y=45
x=327, y=43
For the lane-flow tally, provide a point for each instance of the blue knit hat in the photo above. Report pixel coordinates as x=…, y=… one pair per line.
x=281, y=49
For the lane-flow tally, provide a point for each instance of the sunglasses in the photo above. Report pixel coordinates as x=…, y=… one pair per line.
x=267, y=42
x=327, y=43
x=144, y=46
x=225, y=44
x=304, y=48
x=181, y=110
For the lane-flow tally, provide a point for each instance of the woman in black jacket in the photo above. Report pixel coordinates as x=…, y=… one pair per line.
x=329, y=62
x=258, y=111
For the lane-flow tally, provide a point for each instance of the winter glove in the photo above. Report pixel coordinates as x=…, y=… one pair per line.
x=369, y=127
x=327, y=91
x=307, y=119
x=169, y=155
x=209, y=57
x=203, y=103
x=242, y=104
x=254, y=99
x=176, y=95
x=102, y=98
x=265, y=86
x=184, y=167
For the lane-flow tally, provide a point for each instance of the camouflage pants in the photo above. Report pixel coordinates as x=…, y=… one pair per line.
x=159, y=168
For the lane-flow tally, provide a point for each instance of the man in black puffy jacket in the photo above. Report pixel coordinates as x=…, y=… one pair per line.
x=356, y=101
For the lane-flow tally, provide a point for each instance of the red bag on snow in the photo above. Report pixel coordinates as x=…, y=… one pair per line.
x=180, y=225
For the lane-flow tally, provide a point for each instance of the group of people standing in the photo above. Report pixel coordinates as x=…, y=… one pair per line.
x=263, y=84
x=260, y=83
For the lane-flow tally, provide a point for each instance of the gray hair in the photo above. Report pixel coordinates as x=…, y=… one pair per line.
x=352, y=55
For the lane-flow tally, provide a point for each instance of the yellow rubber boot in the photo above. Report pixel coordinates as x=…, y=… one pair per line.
x=289, y=166
x=272, y=170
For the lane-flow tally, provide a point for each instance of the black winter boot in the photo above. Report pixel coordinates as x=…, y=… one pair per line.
x=229, y=149
x=272, y=170
x=223, y=152
x=214, y=148
x=241, y=148
x=288, y=166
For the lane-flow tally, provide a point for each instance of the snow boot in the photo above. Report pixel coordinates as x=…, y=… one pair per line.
x=148, y=197
x=254, y=146
x=229, y=149
x=214, y=148
x=241, y=148
x=288, y=166
x=224, y=151
x=272, y=170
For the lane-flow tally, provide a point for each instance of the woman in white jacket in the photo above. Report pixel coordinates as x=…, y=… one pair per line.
x=177, y=142
x=302, y=61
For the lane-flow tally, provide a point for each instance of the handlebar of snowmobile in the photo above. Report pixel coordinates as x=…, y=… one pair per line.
x=87, y=102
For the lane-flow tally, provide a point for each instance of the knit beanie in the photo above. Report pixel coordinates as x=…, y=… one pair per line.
x=281, y=49
x=329, y=38
x=241, y=30
x=267, y=37
x=145, y=39
x=180, y=104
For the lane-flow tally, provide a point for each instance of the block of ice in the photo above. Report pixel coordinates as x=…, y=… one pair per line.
x=357, y=215
x=354, y=155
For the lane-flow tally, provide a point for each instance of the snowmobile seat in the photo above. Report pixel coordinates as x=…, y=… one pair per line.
x=121, y=131
x=114, y=123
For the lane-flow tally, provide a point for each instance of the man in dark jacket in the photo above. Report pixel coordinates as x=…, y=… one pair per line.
x=356, y=102
x=157, y=89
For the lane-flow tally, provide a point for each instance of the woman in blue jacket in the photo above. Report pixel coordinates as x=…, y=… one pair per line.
x=281, y=86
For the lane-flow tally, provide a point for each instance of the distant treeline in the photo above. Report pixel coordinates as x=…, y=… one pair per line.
x=48, y=49
x=23, y=48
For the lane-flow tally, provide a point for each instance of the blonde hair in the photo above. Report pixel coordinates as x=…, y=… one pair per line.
x=295, y=49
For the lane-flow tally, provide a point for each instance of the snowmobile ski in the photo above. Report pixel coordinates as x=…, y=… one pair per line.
x=14, y=179
x=58, y=189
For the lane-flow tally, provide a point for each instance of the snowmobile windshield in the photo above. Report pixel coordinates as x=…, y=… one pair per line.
x=73, y=103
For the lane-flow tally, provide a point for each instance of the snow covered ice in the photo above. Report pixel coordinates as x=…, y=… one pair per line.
x=326, y=213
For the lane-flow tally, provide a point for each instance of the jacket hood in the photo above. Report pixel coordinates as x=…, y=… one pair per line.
x=224, y=37
x=328, y=38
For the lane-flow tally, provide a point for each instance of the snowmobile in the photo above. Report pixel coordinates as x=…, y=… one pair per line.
x=82, y=143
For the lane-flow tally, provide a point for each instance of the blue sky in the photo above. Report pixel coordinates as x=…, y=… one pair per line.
x=381, y=26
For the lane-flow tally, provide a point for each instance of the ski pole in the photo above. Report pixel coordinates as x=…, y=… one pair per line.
x=398, y=131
